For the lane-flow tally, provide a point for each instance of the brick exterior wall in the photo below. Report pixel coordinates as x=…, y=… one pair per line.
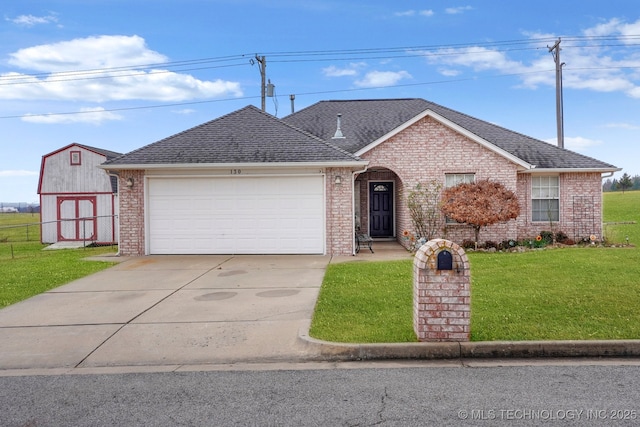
x=428, y=150
x=339, y=212
x=131, y=214
x=580, y=207
x=425, y=151
x=441, y=298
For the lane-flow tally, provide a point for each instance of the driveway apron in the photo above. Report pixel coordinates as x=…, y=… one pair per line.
x=168, y=310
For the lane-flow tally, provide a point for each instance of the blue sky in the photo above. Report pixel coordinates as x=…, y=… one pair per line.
x=122, y=74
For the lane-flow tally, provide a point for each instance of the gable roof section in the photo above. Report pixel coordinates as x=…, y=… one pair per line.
x=365, y=122
x=108, y=154
x=248, y=135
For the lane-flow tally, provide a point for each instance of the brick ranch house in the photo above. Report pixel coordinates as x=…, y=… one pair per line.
x=250, y=183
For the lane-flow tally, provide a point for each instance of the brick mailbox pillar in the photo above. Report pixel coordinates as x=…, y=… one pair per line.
x=441, y=292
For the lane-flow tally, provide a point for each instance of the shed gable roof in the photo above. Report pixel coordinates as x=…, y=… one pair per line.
x=366, y=121
x=108, y=154
x=248, y=135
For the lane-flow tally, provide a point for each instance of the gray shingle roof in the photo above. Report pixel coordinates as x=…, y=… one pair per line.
x=364, y=121
x=107, y=153
x=248, y=135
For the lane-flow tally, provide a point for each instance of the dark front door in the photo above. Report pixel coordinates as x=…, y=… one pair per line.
x=381, y=209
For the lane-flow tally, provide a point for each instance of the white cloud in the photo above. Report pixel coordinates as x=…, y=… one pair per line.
x=351, y=70
x=14, y=173
x=478, y=58
x=425, y=12
x=89, y=53
x=94, y=116
x=448, y=72
x=382, y=78
x=30, y=20
x=107, y=55
x=603, y=29
x=185, y=111
x=627, y=126
x=593, y=66
x=457, y=10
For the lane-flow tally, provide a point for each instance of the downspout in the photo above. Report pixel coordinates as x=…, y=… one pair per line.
x=610, y=174
x=117, y=176
x=353, y=208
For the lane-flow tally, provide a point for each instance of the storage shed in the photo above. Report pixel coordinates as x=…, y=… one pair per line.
x=78, y=200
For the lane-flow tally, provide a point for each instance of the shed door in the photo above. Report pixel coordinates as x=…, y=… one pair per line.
x=77, y=218
x=236, y=215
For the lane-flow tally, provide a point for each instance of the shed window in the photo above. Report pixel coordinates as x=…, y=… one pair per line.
x=75, y=158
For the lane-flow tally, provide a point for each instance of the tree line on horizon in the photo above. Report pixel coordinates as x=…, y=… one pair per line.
x=624, y=183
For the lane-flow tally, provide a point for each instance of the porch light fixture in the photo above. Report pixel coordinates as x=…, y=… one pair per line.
x=130, y=183
x=338, y=180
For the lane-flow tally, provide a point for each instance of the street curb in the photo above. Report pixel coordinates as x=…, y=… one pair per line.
x=332, y=351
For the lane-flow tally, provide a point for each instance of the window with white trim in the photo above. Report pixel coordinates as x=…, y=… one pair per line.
x=453, y=179
x=545, y=198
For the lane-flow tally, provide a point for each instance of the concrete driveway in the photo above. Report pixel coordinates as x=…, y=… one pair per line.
x=167, y=310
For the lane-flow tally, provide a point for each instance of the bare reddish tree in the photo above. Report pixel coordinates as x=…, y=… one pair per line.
x=480, y=204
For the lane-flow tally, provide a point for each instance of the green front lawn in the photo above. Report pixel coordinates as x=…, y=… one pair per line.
x=571, y=293
x=26, y=270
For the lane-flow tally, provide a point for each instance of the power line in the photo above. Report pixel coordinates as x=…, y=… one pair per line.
x=304, y=56
x=309, y=56
x=179, y=104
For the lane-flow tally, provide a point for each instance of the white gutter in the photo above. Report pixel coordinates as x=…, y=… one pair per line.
x=575, y=170
x=261, y=165
x=117, y=176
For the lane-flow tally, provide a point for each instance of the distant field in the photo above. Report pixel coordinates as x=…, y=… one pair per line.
x=622, y=208
x=19, y=227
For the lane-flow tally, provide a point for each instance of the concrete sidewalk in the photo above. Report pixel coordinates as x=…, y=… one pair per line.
x=163, y=313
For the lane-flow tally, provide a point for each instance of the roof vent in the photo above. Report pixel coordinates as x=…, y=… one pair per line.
x=338, y=134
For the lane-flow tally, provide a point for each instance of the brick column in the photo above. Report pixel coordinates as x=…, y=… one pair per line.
x=441, y=292
x=131, y=214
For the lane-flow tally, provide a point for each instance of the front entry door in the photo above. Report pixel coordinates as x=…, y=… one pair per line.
x=381, y=209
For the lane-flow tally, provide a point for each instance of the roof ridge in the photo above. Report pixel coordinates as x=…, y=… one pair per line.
x=317, y=138
x=511, y=131
x=178, y=133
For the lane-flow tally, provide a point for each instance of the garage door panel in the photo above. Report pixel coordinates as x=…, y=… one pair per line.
x=267, y=215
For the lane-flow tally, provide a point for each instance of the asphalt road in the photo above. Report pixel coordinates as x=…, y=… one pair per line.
x=347, y=394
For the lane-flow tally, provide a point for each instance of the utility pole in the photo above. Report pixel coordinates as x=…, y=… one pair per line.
x=262, y=63
x=555, y=51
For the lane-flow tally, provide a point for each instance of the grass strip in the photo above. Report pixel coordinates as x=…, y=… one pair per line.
x=36, y=271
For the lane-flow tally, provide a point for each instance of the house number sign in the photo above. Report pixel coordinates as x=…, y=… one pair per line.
x=236, y=171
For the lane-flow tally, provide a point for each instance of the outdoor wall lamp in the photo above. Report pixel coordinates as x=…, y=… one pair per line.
x=338, y=179
x=130, y=182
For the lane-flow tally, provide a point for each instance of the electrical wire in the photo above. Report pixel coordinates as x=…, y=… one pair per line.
x=306, y=56
x=313, y=56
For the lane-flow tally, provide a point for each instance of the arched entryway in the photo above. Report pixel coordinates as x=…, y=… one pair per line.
x=377, y=203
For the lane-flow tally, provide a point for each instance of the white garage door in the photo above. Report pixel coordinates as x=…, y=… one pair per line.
x=236, y=215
